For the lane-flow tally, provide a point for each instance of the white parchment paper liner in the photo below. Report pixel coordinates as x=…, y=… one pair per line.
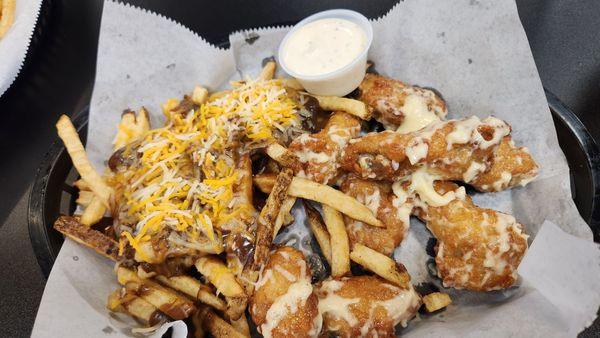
x=474, y=52
x=15, y=43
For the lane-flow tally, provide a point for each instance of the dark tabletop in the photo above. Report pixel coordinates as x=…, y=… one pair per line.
x=58, y=76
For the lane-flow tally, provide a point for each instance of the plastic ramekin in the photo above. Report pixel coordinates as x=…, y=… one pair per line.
x=344, y=80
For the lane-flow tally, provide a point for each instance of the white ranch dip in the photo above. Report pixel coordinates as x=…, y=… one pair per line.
x=323, y=46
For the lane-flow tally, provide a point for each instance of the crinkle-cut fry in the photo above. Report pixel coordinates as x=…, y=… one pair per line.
x=193, y=288
x=324, y=194
x=264, y=182
x=340, y=247
x=7, y=15
x=318, y=228
x=266, y=220
x=282, y=155
x=268, y=71
x=284, y=216
x=129, y=303
x=199, y=95
x=350, y=106
x=167, y=301
x=215, y=325
x=292, y=83
x=95, y=240
x=84, y=198
x=436, y=301
x=68, y=133
x=380, y=264
x=241, y=325
x=220, y=276
x=94, y=212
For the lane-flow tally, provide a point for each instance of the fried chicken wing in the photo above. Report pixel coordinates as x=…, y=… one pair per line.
x=365, y=306
x=478, y=249
x=478, y=152
x=395, y=103
x=283, y=303
x=394, y=213
x=319, y=153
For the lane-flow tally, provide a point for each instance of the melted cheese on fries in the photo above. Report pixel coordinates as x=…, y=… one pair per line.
x=181, y=186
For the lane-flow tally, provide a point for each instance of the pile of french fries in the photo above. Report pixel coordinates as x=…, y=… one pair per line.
x=217, y=302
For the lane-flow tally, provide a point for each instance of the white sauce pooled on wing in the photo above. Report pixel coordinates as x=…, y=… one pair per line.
x=422, y=184
x=288, y=304
x=467, y=131
x=418, y=113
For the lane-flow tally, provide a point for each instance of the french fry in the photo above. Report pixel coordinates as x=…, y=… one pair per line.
x=268, y=71
x=324, y=194
x=94, y=212
x=7, y=15
x=167, y=301
x=216, y=325
x=136, y=307
x=67, y=132
x=131, y=127
x=436, y=301
x=81, y=185
x=84, y=198
x=284, y=216
x=264, y=182
x=220, y=276
x=350, y=106
x=268, y=215
x=241, y=325
x=340, y=247
x=318, y=228
x=236, y=306
x=199, y=331
x=292, y=83
x=218, y=95
x=199, y=95
x=282, y=155
x=125, y=130
x=193, y=288
x=142, y=121
x=95, y=240
x=380, y=264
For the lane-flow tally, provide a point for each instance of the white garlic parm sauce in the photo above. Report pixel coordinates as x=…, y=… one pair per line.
x=324, y=46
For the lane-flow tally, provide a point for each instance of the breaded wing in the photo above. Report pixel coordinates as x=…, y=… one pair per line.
x=478, y=152
x=393, y=212
x=392, y=101
x=365, y=306
x=283, y=303
x=478, y=249
x=319, y=153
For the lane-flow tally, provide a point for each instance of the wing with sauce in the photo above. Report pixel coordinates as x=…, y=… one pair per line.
x=478, y=249
x=395, y=103
x=393, y=212
x=365, y=306
x=478, y=152
x=283, y=303
x=319, y=153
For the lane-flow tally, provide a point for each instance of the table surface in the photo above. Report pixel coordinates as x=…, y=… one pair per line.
x=59, y=72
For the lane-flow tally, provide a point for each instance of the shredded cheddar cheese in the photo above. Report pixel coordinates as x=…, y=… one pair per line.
x=181, y=185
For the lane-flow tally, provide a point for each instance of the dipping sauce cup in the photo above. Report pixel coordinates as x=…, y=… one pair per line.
x=327, y=51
